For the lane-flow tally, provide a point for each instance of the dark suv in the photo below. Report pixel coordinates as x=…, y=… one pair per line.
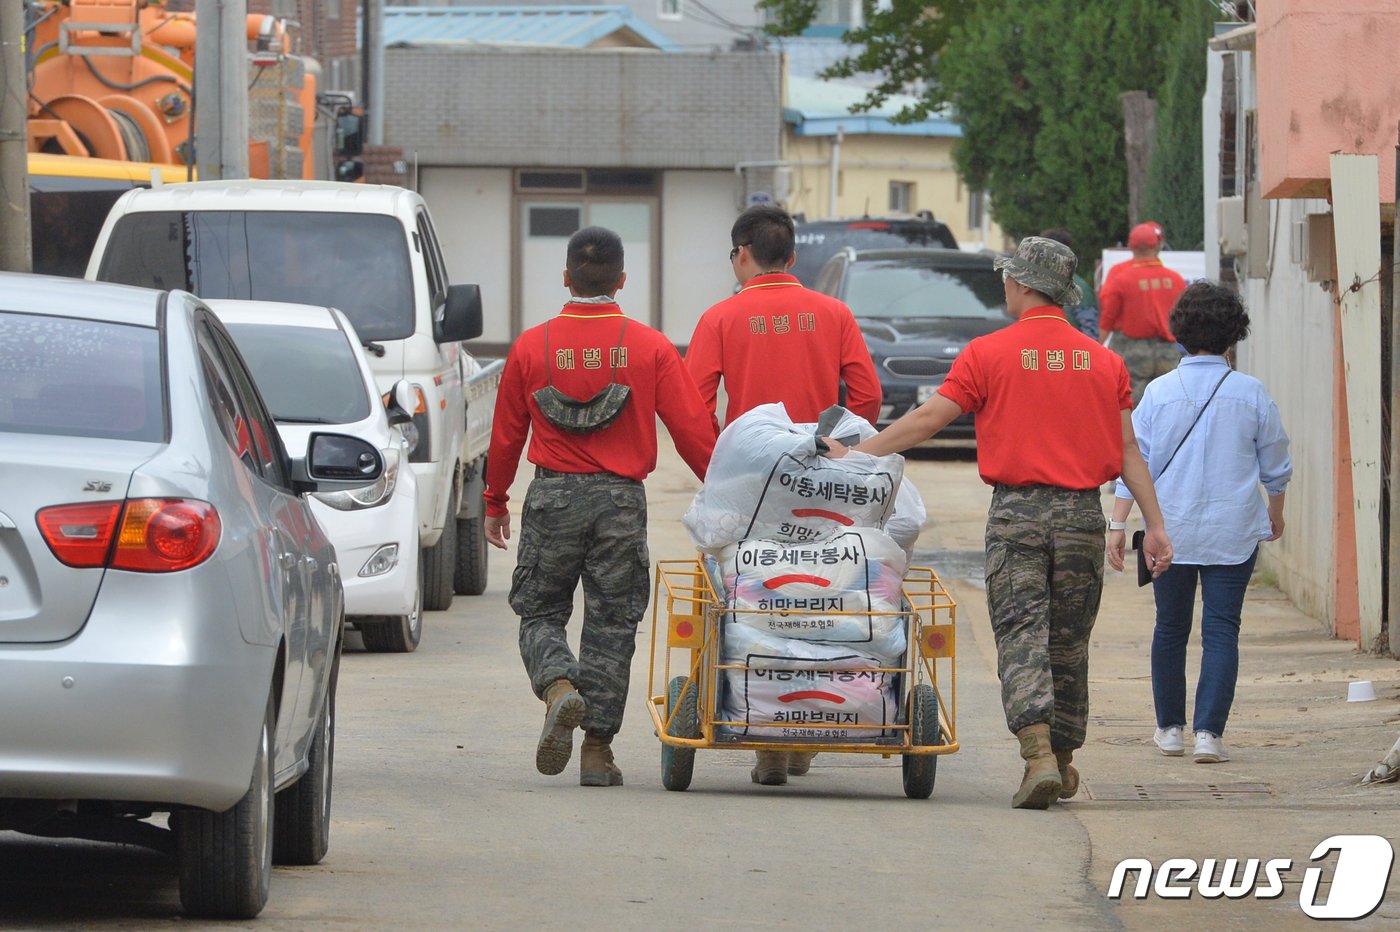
x=917, y=309
x=819, y=240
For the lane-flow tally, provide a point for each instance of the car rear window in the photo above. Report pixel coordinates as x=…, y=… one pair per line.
x=355, y=262
x=80, y=378
x=895, y=289
x=306, y=375
x=817, y=242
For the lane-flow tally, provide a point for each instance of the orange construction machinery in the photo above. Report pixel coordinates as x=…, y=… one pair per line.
x=114, y=79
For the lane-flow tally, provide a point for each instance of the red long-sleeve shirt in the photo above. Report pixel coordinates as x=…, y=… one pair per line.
x=778, y=341
x=1137, y=298
x=582, y=341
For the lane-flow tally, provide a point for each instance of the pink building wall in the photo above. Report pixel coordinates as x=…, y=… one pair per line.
x=1329, y=81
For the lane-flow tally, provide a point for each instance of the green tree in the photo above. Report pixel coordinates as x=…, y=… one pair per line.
x=1035, y=87
x=1175, y=183
x=901, y=43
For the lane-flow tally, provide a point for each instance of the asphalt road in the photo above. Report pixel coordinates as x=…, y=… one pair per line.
x=442, y=822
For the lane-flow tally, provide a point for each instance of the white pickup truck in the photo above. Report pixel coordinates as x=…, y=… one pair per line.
x=369, y=250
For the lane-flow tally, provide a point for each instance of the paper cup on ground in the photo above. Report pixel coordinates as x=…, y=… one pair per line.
x=1360, y=691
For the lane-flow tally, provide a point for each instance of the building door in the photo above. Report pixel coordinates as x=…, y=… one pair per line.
x=547, y=220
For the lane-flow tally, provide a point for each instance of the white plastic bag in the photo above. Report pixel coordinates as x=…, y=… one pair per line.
x=766, y=480
x=803, y=591
x=798, y=684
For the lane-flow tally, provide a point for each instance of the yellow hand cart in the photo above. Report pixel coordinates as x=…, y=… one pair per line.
x=688, y=616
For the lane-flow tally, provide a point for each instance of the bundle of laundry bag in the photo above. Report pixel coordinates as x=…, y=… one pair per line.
x=808, y=554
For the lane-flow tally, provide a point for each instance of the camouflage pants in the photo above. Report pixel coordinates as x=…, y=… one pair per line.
x=1045, y=553
x=1146, y=359
x=594, y=528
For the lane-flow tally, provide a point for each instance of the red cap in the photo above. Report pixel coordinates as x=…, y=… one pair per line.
x=1145, y=235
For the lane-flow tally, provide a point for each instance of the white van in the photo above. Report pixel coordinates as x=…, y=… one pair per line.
x=371, y=252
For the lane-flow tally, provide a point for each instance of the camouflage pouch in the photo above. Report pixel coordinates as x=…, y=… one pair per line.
x=583, y=417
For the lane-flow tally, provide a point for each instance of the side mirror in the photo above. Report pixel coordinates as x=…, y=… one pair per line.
x=349, y=134
x=461, y=319
x=400, y=403
x=336, y=463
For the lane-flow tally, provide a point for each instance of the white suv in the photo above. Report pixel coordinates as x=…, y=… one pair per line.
x=371, y=252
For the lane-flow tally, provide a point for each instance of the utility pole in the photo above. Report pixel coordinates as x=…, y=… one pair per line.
x=221, y=89
x=16, y=249
x=372, y=63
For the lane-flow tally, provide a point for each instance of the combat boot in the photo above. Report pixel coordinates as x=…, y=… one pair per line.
x=1041, y=782
x=596, y=767
x=1069, y=775
x=564, y=710
x=799, y=762
x=771, y=768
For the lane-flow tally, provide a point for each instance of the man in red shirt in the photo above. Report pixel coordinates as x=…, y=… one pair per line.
x=1136, y=299
x=587, y=388
x=1045, y=528
x=776, y=340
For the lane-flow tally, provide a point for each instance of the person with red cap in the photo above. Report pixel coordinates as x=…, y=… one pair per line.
x=1135, y=301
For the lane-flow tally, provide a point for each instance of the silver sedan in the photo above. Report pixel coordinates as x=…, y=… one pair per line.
x=170, y=611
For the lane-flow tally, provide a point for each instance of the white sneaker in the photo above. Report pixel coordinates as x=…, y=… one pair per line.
x=1210, y=749
x=1169, y=741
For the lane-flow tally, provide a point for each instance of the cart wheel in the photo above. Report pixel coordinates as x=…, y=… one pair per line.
x=677, y=764
x=920, y=769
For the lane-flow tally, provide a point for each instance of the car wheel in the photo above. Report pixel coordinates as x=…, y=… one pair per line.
x=678, y=764
x=226, y=857
x=304, y=809
x=472, y=554
x=396, y=634
x=440, y=565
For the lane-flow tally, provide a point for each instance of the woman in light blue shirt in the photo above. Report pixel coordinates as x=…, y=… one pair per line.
x=1207, y=478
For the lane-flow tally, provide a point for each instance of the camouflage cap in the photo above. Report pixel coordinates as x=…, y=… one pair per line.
x=1046, y=266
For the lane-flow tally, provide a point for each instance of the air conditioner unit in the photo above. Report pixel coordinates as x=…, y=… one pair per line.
x=1230, y=211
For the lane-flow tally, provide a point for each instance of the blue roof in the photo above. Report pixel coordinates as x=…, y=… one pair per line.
x=572, y=27
x=818, y=108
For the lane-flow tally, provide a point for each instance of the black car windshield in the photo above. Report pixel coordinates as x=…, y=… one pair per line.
x=922, y=289
x=355, y=262
x=80, y=378
x=307, y=375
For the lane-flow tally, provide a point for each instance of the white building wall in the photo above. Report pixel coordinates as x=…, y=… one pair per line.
x=697, y=211
x=471, y=210
x=1290, y=350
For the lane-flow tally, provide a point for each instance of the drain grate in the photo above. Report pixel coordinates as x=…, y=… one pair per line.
x=1167, y=792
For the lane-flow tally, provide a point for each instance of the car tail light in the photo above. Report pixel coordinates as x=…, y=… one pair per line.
x=162, y=534
x=867, y=225
x=152, y=535
x=80, y=535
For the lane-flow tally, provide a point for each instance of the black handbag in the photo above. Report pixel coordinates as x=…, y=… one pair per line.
x=1144, y=574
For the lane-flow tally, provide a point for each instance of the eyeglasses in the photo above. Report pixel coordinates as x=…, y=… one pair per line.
x=733, y=253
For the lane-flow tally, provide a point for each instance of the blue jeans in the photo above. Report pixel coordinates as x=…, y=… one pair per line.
x=1222, y=598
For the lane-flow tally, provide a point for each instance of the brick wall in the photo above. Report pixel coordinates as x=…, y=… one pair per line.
x=567, y=108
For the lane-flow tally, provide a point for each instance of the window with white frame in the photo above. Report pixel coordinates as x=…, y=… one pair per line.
x=976, y=208
x=902, y=197
x=670, y=9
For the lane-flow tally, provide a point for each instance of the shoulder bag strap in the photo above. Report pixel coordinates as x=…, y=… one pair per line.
x=1193, y=425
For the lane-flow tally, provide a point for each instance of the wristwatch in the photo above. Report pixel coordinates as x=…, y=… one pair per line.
x=1117, y=525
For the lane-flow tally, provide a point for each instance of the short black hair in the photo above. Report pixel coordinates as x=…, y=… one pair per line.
x=594, y=261
x=768, y=232
x=1209, y=317
x=1059, y=235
